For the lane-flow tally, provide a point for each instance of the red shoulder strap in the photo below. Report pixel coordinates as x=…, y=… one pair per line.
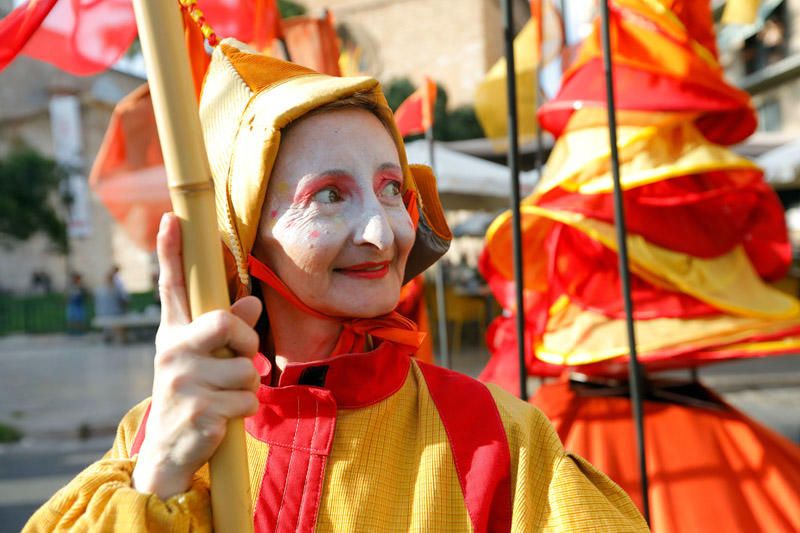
x=479, y=443
x=139, y=439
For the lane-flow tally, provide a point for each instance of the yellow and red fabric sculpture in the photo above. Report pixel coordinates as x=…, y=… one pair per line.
x=707, y=236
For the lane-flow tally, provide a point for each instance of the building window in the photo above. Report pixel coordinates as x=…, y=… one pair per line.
x=769, y=116
x=770, y=44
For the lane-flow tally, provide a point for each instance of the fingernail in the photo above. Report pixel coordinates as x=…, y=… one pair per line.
x=163, y=224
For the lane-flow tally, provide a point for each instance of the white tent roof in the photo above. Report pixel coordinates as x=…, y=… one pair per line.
x=782, y=164
x=465, y=174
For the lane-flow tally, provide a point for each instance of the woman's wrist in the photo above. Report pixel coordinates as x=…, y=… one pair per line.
x=159, y=479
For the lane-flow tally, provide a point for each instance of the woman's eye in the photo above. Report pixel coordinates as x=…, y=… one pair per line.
x=391, y=190
x=328, y=195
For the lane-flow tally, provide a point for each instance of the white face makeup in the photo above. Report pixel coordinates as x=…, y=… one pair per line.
x=334, y=227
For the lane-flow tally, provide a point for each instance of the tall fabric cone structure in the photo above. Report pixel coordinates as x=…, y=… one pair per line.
x=706, y=235
x=706, y=238
x=710, y=467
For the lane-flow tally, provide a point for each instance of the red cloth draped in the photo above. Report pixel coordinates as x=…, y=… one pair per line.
x=85, y=37
x=17, y=27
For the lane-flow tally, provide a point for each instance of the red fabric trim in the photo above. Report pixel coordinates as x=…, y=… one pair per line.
x=479, y=443
x=725, y=118
x=359, y=380
x=139, y=438
x=297, y=422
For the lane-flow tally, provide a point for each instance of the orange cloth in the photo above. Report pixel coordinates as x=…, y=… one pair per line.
x=313, y=43
x=128, y=173
x=709, y=468
x=412, y=306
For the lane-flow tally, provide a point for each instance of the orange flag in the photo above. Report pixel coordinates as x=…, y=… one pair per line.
x=415, y=114
x=313, y=43
x=267, y=24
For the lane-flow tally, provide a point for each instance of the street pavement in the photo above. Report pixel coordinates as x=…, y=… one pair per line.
x=66, y=395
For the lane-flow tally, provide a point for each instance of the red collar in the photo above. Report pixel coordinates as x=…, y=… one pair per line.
x=355, y=380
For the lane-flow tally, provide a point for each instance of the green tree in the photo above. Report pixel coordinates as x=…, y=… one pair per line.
x=397, y=90
x=456, y=125
x=290, y=9
x=29, y=184
x=462, y=123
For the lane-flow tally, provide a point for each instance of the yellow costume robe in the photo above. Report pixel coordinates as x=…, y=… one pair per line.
x=369, y=442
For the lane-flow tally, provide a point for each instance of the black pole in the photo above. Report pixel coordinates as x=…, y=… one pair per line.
x=634, y=368
x=441, y=305
x=513, y=163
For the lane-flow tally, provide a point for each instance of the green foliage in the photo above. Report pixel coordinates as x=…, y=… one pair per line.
x=462, y=123
x=9, y=434
x=456, y=125
x=28, y=189
x=290, y=9
x=397, y=90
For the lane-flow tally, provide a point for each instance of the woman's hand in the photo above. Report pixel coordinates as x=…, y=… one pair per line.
x=194, y=393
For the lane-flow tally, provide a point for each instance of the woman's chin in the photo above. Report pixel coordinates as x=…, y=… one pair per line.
x=363, y=303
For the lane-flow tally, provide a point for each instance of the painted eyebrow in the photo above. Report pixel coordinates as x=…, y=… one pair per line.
x=390, y=166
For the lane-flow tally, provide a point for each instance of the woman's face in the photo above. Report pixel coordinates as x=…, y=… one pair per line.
x=334, y=227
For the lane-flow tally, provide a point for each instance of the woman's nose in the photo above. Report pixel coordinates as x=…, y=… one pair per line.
x=374, y=229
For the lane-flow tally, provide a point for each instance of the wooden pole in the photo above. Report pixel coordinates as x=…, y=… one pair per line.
x=192, y=195
x=441, y=301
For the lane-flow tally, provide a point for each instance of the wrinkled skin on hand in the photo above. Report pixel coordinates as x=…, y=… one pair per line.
x=194, y=394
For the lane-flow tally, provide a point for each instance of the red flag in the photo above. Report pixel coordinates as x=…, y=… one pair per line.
x=17, y=27
x=84, y=37
x=415, y=114
x=256, y=22
x=266, y=25
x=313, y=43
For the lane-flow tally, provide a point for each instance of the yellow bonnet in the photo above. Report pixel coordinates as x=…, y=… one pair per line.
x=247, y=100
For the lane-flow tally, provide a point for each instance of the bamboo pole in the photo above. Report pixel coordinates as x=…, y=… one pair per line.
x=192, y=195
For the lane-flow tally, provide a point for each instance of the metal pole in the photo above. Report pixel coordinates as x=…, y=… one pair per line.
x=441, y=304
x=634, y=368
x=513, y=163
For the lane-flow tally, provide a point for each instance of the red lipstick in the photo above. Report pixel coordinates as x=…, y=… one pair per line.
x=368, y=270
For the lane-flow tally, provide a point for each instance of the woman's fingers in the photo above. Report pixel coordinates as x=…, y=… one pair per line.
x=248, y=309
x=234, y=404
x=217, y=329
x=237, y=373
x=171, y=287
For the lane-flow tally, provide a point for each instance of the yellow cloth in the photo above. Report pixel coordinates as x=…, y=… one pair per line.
x=577, y=336
x=728, y=282
x=652, y=147
x=491, y=99
x=390, y=469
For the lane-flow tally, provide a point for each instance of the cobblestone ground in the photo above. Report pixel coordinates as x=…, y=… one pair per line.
x=66, y=395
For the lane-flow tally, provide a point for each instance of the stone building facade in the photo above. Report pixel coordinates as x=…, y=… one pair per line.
x=454, y=42
x=27, y=88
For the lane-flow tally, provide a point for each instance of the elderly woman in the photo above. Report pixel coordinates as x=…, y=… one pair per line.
x=323, y=222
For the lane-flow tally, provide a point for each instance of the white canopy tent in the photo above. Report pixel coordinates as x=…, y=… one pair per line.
x=465, y=175
x=782, y=165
